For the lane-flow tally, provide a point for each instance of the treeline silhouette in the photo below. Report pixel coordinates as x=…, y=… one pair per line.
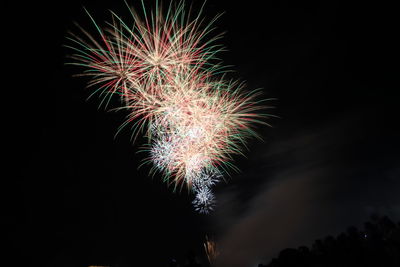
x=190, y=261
x=377, y=245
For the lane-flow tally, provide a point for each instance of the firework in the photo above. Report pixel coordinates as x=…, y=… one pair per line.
x=210, y=248
x=166, y=74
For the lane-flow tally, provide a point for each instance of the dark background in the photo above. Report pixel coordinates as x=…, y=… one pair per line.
x=75, y=195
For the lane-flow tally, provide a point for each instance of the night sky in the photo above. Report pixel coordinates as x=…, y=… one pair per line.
x=76, y=197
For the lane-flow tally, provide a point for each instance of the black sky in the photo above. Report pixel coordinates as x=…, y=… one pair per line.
x=75, y=196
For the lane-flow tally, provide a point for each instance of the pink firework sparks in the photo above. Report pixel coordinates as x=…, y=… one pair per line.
x=165, y=71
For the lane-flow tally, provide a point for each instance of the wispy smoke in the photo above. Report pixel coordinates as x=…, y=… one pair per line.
x=316, y=183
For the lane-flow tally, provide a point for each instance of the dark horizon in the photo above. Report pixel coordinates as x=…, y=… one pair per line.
x=77, y=197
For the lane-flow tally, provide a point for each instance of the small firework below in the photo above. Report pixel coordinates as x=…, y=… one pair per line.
x=166, y=73
x=204, y=201
x=210, y=247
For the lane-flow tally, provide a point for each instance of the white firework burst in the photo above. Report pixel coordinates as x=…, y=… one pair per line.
x=206, y=178
x=163, y=153
x=204, y=200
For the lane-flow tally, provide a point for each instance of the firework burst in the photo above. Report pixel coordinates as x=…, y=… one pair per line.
x=164, y=70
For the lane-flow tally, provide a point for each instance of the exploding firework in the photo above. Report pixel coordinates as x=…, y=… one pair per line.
x=165, y=72
x=204, y=200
